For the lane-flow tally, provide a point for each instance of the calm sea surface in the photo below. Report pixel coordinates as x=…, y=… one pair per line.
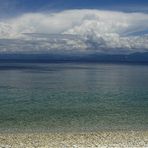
x=73, y=97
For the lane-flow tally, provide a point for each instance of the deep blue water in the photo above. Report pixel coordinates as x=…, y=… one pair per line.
x=73, y=97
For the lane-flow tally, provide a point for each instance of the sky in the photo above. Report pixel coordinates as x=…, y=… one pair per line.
x=74, y=26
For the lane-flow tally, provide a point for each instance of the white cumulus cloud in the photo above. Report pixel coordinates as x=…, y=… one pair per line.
x=75, y=30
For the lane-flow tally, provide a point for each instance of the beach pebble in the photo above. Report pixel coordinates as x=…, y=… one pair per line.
x=77, y=140
x=5, y=146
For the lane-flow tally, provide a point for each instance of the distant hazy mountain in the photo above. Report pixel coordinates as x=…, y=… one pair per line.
x=131, y=58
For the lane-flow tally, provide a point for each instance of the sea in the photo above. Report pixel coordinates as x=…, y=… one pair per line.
x=73, y=97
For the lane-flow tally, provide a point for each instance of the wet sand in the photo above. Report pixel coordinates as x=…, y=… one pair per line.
x=75, y=140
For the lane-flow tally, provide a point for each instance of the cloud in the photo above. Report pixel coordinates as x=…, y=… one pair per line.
x=75, y=31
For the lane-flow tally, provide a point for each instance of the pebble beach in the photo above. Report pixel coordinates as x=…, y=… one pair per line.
x=75, y=140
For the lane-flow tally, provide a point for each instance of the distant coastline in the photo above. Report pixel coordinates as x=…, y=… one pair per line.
x=80, y=58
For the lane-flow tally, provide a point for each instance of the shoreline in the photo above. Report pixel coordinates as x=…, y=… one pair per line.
x=75, y=140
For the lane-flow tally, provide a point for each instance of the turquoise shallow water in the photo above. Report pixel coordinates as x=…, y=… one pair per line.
x=73, y=97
